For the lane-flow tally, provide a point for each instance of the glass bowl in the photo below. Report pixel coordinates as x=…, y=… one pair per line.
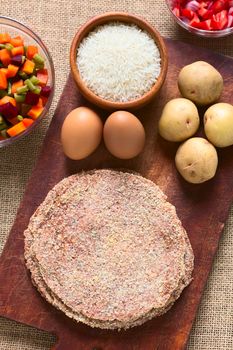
x=14, y=28
x=200, y=32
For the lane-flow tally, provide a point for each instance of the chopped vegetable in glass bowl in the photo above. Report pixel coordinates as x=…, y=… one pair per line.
x=204, y=17
x=26, y=80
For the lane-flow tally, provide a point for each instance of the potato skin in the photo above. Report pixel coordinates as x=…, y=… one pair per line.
x=196, y=160
x=218, y=124
x=179, y=120
x=200, y=82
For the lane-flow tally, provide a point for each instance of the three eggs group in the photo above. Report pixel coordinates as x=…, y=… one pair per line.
x=83, y=129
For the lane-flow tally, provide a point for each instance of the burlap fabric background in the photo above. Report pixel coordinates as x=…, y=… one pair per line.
x=56, y=22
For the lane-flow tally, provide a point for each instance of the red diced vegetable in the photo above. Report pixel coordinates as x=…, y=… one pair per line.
x=220, y=20
x=42, y=75
x=8, y=111
x=187, y=13
x=31, y=98
x=218, y=6
x=17, y=60
x=45, y=91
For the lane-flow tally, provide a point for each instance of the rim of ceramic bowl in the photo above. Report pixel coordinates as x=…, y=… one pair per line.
x=95, y=21
x=15, y=24
x=201, y=32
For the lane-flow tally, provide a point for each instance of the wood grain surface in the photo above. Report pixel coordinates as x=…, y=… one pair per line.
x=203, y=210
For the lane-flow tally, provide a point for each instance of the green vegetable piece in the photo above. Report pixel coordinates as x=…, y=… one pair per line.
x=2, y=46
x=3, y=93
x=25, y=50
x=34, y=80
x=38, y=58
x=22, y=89
x=19, y=117
x=37, y=90
x=19, y=98
x=9, y=47
x=23, y=75
x=1, y=119
x=9, y=88
x=4, y=133
x=30, y=85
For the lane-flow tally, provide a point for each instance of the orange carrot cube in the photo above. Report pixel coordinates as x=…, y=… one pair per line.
x=28, y=67
x=5, y=38
x=16, y=129
x=35, y=112
x=19, y=50
x=5, y=57
x=31, y=51
x=7, y=99
x=12, y=70
x=3, y=80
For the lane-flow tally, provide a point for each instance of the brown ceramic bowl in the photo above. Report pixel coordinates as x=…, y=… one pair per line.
x=127, y=18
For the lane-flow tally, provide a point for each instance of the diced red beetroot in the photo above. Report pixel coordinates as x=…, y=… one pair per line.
x=8, y=111
x=31, y=98
x=17, y=60
x=45, y=91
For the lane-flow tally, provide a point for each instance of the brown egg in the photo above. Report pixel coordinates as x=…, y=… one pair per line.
x=81, y=133
x=124, y=135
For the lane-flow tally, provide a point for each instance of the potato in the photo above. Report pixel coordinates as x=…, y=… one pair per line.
x=200, y=82
x=196, y=160
x=218, y=124
x=179, y=120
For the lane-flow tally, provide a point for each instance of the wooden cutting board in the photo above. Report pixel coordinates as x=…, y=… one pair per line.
x=203, y=210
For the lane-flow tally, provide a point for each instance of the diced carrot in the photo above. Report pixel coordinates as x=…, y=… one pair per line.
x=12, y=70
x=4, y=38
x=3, y=80
x=16, y=129
x=44, y=100
x=40, y=103
x=31, y=51
x=7, y=99
x=16, y=85
x=42, y=75
x=17, y=41
x=27, y=122
x=19, y=50
x=35, y=112
x=28, y=67
x=4, y=70
x=5, y=57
